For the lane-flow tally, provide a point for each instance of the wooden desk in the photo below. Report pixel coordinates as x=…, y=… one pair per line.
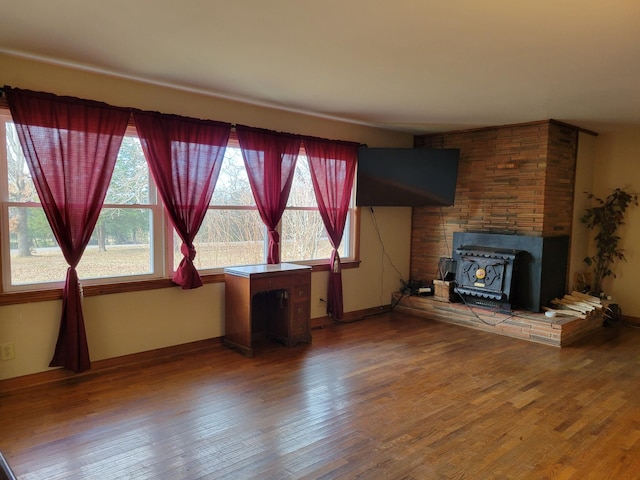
x=271, y=299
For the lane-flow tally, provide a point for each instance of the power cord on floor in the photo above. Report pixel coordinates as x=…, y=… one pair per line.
x=400, y=298
x=494, y=310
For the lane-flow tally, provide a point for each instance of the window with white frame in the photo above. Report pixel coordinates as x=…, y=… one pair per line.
x=131, y=237
x=232, y=232
x=302, y=233
x=123, y=243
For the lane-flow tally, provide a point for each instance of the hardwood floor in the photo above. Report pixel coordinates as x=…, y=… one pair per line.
x=391, y=397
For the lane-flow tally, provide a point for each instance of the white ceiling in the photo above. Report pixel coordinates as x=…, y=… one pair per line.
x=416, y=65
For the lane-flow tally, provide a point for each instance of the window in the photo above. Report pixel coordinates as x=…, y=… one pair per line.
x=303, y=236
x=232, y=232
x=122, y=242
x=130, y=239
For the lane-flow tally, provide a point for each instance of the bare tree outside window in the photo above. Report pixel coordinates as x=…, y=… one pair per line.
x=129, y=186
x=304, y=236
x=232, y=232
x=22, y=190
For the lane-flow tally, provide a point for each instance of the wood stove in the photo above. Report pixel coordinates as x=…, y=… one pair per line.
x=487, y=276
x=541, y=267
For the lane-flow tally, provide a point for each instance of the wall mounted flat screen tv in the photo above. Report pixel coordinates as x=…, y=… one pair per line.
x=406, y=177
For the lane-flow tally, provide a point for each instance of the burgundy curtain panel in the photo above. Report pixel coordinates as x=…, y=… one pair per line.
x=270, y=158
x=184, y=156
x=71, y=146
x=333, y=166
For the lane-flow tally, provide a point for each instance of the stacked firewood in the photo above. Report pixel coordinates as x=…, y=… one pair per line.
x=576, y=304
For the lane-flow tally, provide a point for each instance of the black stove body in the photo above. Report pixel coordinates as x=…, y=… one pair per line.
x=487, y=276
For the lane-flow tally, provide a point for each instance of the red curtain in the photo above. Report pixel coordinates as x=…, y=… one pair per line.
x=333, y=166
x=71, y=146
x=270, y=159
x=184, y=156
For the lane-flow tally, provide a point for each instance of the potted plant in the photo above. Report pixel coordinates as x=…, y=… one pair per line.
x=605, y=218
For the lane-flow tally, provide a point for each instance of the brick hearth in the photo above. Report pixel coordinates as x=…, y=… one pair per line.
x=558, y=331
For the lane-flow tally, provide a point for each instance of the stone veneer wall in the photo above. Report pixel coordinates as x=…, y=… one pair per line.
x=511, y=179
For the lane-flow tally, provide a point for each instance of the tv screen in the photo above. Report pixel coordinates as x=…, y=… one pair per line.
x=406, y=177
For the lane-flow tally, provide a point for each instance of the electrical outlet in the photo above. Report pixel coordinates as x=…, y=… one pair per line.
x=7, y=351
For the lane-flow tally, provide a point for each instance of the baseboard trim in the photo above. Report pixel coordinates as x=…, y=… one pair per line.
x=101, y=366
x=631, y=321
x=349, y=317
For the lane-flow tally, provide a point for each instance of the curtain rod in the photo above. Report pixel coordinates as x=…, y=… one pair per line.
x=233, y=126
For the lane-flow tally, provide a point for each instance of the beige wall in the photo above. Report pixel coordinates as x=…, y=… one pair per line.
x=617, y=164
x=585, y=163
x=125, y=323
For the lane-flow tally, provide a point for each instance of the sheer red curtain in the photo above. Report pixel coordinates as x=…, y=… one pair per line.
x=184, y=156
x=71, y=146
x=333, y=166
x=270, y=158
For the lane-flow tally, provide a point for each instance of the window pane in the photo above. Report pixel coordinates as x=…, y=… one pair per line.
x=120, y=244
x=21, y=187
x=35, y=255
x=227, y=237
x=302, y=188
x=233, y=186
x=304, y=237
x=130, y=181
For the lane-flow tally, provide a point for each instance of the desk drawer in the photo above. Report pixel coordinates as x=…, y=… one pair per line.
x=300, y=292
x=301, y=286
x=301, y=311
x=271, y=282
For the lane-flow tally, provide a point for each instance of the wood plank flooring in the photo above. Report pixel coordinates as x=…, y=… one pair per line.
x=390, y=397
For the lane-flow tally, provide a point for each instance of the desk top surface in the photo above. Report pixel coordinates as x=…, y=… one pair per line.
x=248, y=270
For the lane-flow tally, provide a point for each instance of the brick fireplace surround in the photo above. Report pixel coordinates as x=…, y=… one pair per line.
x=512, y=179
